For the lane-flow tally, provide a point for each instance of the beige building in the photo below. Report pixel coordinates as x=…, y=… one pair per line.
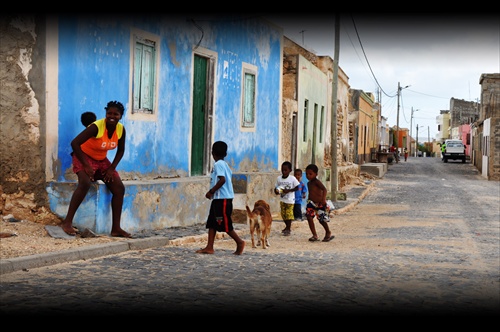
x=307, y=114
x=365, y=119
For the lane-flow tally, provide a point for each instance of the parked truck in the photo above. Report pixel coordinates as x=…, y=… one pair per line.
x=454, y=149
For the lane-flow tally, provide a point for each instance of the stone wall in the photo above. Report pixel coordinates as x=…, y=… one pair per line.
x=22, y=134
x=490, y=108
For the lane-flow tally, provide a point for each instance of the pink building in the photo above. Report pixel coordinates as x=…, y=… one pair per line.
x=464, y=135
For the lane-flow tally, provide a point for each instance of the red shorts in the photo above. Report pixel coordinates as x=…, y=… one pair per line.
x=97, y=165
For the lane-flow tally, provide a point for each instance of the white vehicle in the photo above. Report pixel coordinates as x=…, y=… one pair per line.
x=454, y=150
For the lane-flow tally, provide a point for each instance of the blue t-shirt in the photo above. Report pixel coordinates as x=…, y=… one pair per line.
x=221, y=168
x=300, y=193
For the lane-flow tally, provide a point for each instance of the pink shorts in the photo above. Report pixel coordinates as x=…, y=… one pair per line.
x=97, y=165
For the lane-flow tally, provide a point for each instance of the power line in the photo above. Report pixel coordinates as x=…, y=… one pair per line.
x=366, y=58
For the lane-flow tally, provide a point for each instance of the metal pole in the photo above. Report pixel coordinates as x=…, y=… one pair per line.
x=429, y=140
x=411, y=119
x=302, y=32
x=397, y=126
x=333, y=130
x=416, y=143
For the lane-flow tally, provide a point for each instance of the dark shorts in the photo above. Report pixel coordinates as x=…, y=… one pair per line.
x=99, y=166
x=220, y=214
x=297, y=211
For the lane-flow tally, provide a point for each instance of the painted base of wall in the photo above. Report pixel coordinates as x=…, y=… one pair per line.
x=158, y=204
x=164, y=203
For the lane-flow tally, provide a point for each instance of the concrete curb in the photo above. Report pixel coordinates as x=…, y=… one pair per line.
x=88, y=252
x=355, y=202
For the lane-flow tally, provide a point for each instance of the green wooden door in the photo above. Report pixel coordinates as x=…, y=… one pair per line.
x=199, y=109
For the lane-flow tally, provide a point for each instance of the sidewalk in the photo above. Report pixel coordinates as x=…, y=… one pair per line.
x=171, y=236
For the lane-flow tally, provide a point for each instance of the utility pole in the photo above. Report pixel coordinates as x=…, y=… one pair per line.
x=397, y=126
x=411, y=120
x=333, y=129
x=429, y=140
x=416, y=147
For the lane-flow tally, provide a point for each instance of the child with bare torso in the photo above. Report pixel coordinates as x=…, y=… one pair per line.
x=316, y=204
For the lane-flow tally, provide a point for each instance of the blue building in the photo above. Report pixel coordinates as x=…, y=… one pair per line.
x=186, y=82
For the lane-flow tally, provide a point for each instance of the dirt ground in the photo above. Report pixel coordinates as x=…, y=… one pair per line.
x=23, y=237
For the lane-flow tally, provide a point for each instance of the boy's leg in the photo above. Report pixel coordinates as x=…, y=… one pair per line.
x=288, y=218
x=283, y=212
x=288, y=227
x=240, y=244
x=328, y=233
x=310, y=214
x=209, y=248
x=310, y=222
x=297, y=211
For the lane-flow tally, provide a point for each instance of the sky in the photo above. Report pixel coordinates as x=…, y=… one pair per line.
x=433, y=58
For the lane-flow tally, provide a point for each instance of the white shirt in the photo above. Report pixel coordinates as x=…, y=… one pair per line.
x=287, y=183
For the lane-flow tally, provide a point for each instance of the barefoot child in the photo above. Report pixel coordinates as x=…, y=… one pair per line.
x=221, y=208
x=286, y=186
x=316, y=204
x=300, y=195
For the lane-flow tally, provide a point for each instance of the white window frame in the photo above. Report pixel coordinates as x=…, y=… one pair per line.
x=245, y=124
x=154, y=40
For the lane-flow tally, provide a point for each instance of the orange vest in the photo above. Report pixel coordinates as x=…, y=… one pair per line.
x=97, y=147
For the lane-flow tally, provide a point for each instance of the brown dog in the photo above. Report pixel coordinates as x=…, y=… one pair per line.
x=260, y=221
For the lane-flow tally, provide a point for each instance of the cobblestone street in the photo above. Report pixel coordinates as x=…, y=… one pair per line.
x=396, y=253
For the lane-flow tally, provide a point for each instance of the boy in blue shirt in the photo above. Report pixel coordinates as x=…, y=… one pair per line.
x=300, y=194
x=221, y=208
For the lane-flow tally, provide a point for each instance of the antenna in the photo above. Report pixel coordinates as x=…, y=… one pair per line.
x=302, y=32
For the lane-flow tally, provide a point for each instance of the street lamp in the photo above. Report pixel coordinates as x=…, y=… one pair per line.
x=397, y=125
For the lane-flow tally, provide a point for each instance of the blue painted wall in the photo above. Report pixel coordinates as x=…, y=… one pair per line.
x=94, y=68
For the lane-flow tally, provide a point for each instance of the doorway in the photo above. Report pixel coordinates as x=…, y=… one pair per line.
x=202, y=114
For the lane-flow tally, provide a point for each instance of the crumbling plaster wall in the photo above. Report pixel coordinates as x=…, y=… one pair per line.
x=22, y=176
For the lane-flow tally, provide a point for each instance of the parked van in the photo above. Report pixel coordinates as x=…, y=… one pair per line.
x=455, y=150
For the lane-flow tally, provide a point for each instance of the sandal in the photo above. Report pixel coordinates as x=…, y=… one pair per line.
x=314, y=239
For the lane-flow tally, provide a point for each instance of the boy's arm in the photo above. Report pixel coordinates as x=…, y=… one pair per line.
x=325, y=191
x=285, y=191
x=220, y=183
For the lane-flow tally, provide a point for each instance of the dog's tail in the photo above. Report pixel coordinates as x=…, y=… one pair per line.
x=249, y=215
